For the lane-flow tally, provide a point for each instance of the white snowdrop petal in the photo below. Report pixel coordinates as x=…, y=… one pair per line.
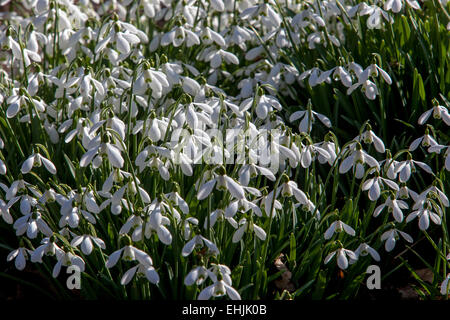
x=206, y=189
x=235, y=189
x=128, y=276
x=27, y=165
x=114, y=156
x=48, y=165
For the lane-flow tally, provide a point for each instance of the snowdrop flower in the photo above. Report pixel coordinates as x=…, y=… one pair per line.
x=218, y=289
x=424, y=214
x=36, y=160
x=178, y=35
x=196, y=276
x=375, y=15
x=445, y=286
x=215, y=58
x=94, y=154
x=128, y=253
x=223, y=182
x=404, y=168
x=249, y=227
x=374, y=186
x=342, y=260
x=122, y=36
x=177, y=200
x=270, y=18
x=153, y=79
x=391, y=236
x=437, y=149
x=32, y=223
x=141, y=269
x=20, y=255
x=356, y=159
x=310, y=152
x=187, y=227
x=242, y=205
x=86, y=243
x=2, y=167
x=249, y=171
x=265, y=105
x=289, y=188
x=209, y=36
x=331, y=148
x=4, y=210
x=48, y=247
x=316, y=76
x=438, y=111
x=216, y=215
x=16, y=49
x=404, y=192
x=338, y=226
x=369, y=137
x=389, y=166
x=220, y=275
x=394, y=205
x=343, y=75
x=20, y=100
x=156, y=223
x=67, y=259
x=364, y=249
x=396, y=5
x=426, y=141
x=308, y=119
x=198, y=240
x=368, y=87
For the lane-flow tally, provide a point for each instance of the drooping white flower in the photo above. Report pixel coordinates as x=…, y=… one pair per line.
x=198, y=240
x=396, y=5
x=197, y=275
x=356, y=159
x=369, y=137
x=224, y=183
x=218, y=289
x=375, y=14
x=86, y=241
x=20, y=257
x=141, y=269
x=342, y=257
x=36, y=160
x=67, y=259
x=338, y=226
x=128, y=253
x=394, y=205
x=308, y=119
x=445, y=286
x=374, y=186
x=424, y=214
x=247, y=226
x=391, y=237
x=404, y=168
x=364, y=249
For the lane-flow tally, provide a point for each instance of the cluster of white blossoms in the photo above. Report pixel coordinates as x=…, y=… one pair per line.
x=134, y=136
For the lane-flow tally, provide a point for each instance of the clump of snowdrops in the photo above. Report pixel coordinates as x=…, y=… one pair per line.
x=174, y=149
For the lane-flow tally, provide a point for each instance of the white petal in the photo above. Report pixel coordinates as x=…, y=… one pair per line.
x=27, y=165
x=342, y=260
x=113, y=258
x=206, y=189
x=260, y=233
x=152, y=275
x=114, y=155
x=235, y=189
x=128, y=276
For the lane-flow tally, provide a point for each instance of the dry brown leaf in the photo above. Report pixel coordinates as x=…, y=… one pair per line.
x=284, y=281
